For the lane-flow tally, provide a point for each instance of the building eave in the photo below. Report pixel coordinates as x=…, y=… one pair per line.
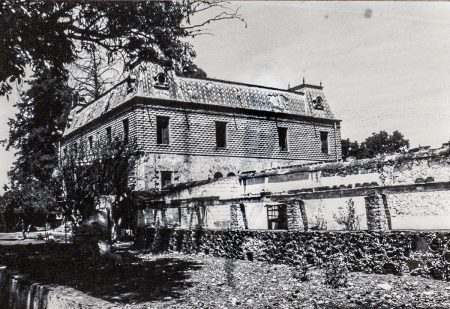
x=137, y=99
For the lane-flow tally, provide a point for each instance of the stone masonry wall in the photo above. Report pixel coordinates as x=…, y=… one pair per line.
x=248, y=135
x=413, y=168
x=418, y=253
x=252, y=142
x=98, y=130
x=187, y=168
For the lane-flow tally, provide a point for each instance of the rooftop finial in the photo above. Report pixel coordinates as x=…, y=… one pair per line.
x=320, y=83
x=303, y=80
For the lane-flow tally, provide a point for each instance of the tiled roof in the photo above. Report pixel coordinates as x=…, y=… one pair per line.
x=203, y=91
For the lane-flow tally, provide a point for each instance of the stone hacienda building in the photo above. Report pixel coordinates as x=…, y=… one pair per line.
x=192, y=129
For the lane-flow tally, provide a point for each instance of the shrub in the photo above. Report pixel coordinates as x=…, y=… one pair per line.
x=348, y=217
x=300, y=268
x=336, y=271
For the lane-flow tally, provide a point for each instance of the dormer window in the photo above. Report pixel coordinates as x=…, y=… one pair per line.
x=161, y=81
x=69, y=121
x=318, y=102
x=131, y=83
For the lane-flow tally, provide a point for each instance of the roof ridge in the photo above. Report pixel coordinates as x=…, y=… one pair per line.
x=236, y=83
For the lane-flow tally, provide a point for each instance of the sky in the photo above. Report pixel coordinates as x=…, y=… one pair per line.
x=383, y=65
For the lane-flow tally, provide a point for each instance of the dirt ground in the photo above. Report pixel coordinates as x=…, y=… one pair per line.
x=199, y=281
x=225, y=283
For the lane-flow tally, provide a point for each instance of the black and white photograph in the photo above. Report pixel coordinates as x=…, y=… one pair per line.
x=224, y=154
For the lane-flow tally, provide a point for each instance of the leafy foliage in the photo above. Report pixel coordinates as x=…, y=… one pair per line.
x=37, y=127
x=31, y=205
x=193, y=71
x=348, y=218
x=319, y=221
x=376, y=144
x=336, y=271
x=50, y=32
x=300, y=268
x=52, y=37
x=88, y=174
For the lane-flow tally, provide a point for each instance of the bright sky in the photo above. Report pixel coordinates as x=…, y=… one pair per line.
x=383, y=65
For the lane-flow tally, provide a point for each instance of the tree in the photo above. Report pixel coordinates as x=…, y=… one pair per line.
x=193, y=71
x=90, y=174
x=30, y=205
x=42, y=32
x=92, y=74
x=37, y=127
x=376, y=144
x=48, y=37
x=350, y=149
x=383, y=143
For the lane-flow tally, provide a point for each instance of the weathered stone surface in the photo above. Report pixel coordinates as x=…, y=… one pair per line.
x=377, y=212
x=367, y=251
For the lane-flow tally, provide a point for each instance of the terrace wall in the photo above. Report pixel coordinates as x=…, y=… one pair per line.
x=413, y=193
x=418, y=253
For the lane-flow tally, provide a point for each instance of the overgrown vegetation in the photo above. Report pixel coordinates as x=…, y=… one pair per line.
x=336, y=271
x=348, y=217
x=300, y=266
x=65, y=50
x=90, y=173
x=376, y=144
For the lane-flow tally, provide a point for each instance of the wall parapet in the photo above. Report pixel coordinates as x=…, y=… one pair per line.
x=354, y=166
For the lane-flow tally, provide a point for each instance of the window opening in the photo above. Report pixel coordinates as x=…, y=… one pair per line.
x=282, y=138
x=166, y=179
x=324, y=141
x=162, y=130
x=318, y=103
x=125, y=130
x=108, y=135
x=161, y=81
x=221, y=134
x=91, y=143
x=277, y=217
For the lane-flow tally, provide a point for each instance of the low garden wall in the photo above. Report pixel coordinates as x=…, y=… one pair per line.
x=416, y=252
x=18, y=292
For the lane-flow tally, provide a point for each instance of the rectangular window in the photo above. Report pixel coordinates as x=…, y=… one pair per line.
x=324, y=141
x=125, y=130
x=282, y=138
x=91, y=143
x=221, y=134
x=108, y=135
x=82, y=149
x=277, y=217
x=166, y=179
x=162, y=130
x=75, y=149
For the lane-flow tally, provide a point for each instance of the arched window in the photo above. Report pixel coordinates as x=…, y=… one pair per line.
x=161, y=78
x=318, y=103
x=161, y=81
x=218, y=175
x=231, y=174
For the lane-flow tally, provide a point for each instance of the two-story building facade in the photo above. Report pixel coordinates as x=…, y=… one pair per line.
x=192, y=129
